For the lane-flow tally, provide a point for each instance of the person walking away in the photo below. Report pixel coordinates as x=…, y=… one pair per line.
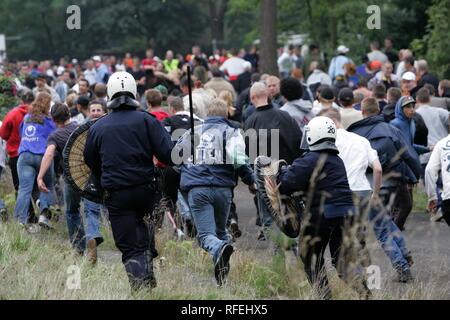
x=177, y=125
x=10, y=132
x=35, y=129
x=336, y=68
x=321, y=227
x=424, y=76
x=55, y=145
x=359, y=157
x=276, y=99
x=439, y=163
x=375, y=53
x=348, y=114
x=3, y=210
x=300, y=110
x=119, y=150
x=233, y=68
x=273, y=133
x=437, y=122
x=210, y=180
x=286, y=62
x=154, y=101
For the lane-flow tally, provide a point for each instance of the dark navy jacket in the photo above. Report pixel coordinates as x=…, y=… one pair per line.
x=389, y=143
x=213, y=165
x=331, y=189
x=120, y=148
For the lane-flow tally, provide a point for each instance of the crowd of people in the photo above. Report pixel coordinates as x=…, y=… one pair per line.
x=356, y=139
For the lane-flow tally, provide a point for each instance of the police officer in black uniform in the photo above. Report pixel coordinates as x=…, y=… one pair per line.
x=119, y=150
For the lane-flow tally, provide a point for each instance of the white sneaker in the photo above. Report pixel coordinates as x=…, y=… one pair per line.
x=44, y=222
x=436, y=216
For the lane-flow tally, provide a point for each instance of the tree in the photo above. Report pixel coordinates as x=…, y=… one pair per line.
x=436, y=41
x=217, y=11
x=269, y=37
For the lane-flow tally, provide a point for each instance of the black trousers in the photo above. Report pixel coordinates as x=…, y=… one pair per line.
x=132, y=235
x=15, y=177
x=403, y=204
x=446, y=211
x=317, y=235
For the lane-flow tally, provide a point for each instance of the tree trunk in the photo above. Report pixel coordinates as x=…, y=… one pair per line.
x=311, y=21
x=217, y=10
x=269, y=37
x=333, y=26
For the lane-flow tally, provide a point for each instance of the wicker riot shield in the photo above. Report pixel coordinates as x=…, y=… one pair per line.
x=76, y=172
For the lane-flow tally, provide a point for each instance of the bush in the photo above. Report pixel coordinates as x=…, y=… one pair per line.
x=8, y=97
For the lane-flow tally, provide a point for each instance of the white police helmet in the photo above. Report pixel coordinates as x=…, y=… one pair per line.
x=320, y=129
x=121, y=82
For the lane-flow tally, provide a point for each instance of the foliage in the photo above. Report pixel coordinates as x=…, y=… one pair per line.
x=7, y=96
x=106, y=27
x=435, y=43
x=123, y=26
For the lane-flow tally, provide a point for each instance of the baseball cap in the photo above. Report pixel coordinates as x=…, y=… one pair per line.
x=342, y=49
x=346, y=95
x=83, y=101
x=327, y=93
x=162, y=89
x=409, y=76
x=97, y=58
x=407, y=101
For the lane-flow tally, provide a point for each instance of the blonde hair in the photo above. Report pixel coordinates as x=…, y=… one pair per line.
x=71, y=99
x=218, y=108
x=227, y=96
x=40, y=107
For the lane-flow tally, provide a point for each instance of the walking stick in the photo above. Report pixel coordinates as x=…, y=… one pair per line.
x=191, y=110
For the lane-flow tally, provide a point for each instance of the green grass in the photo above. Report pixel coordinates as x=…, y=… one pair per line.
x=420, y=200
x=35, y=266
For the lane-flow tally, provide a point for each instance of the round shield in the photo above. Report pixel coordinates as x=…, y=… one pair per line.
x=76, y=171
x=286, y=210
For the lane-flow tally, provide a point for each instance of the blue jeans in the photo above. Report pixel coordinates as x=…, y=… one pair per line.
x=75, y=224
x=185, y=211
x=387, y=233
x=264, y=214
x=210, y=208
x=28, y=168
x=2, y=204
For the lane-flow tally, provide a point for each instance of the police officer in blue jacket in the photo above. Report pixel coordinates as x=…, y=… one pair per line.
x=321, y=176
x=119, y=150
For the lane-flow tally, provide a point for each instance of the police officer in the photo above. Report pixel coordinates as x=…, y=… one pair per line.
x=321, y=176
x=119, y=150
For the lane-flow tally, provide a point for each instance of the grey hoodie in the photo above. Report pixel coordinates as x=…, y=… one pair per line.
x=301, y=111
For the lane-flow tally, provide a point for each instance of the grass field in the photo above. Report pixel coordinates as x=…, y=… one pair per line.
x=41, y=266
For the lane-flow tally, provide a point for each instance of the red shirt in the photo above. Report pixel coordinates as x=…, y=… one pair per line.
x=160, y=115
x=149, y=62
x=10, y=129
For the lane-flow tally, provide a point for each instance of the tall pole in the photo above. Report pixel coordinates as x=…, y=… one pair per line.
x=191, y=111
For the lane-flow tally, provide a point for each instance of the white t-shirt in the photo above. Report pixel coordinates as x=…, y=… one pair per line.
x=357, y=155
x=235, y=66
x=91, y=76
x=317, y=107
x=439, y=161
